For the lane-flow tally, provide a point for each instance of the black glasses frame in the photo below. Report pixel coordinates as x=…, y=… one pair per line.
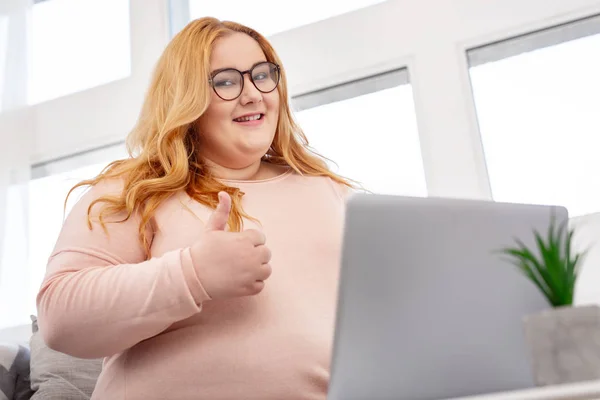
x=249, y=72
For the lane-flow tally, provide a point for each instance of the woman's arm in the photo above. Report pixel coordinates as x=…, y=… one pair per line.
x=100, y=296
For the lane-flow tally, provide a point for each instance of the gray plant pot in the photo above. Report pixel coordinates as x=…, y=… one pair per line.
x=564, y=344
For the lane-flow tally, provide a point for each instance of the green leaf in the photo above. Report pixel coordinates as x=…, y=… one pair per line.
x=555, y=269
x=525, y=261
x=550, y=268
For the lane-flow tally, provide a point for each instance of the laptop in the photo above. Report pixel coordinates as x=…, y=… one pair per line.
x=427, y=309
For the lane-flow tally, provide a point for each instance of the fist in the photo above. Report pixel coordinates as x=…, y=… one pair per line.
x=230, y=264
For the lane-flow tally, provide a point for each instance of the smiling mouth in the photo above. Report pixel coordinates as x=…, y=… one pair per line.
x=249, y=118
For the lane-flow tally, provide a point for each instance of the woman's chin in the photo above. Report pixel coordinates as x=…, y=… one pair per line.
x=247, y=155
x=255, y=148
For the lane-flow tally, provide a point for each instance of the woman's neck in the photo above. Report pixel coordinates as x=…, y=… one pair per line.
x=256, y=171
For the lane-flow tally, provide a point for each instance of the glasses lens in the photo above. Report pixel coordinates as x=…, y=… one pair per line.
x=228, y=84
x=265, y=76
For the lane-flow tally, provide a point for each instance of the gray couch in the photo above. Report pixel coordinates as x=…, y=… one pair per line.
x=14, y=372
x=32, y=371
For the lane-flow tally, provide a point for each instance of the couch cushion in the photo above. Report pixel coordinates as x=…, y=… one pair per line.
x=14, y=372
x=55, y=375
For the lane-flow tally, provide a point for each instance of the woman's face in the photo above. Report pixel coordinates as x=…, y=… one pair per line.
x=229, y=133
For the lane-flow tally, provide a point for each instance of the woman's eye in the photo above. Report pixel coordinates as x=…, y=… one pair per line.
x=260, y=76
x=224, y=83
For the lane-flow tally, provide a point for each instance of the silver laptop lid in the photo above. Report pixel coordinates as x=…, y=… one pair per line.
x=426, y=309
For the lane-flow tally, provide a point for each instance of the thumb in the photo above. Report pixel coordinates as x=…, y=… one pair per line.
x=219, y=217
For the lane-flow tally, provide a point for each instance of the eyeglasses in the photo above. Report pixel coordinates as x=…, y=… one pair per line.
x=228, y=83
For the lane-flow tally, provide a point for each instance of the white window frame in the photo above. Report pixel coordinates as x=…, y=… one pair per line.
x=347, y=90
x=430, y=38
x=104, y=154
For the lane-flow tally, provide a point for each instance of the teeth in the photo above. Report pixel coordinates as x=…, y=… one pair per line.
x=248, y=118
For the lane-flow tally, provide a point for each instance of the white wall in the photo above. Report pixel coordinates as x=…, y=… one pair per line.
x=587, y=237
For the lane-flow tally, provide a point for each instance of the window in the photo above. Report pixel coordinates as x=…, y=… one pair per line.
x=271, y=16
x=538, y=116
x=368, y=130
x=3, y=55
x=46, y=205
x=76, y=45
x=13, y=250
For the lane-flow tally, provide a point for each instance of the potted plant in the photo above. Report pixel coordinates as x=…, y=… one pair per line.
x=564, y=341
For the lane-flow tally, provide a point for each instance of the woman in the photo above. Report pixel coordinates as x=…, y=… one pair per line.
x=205, y=266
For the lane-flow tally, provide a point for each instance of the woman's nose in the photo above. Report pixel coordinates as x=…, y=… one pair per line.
x=250, y=94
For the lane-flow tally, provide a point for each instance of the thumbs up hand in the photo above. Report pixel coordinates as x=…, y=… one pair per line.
x=230, y=264
x=219, y=217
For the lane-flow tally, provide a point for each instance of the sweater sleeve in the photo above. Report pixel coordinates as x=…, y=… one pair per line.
x=100, y=295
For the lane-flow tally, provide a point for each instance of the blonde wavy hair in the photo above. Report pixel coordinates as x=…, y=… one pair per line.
x=163, y=140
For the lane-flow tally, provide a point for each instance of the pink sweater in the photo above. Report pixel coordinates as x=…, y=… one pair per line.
x=161, y=335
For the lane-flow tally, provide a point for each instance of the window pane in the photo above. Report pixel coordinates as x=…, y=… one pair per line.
x=372, y=138
x=271, y=16
x=77, y=45
x=540, y=125
x=13, y=251
x=3, y=54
